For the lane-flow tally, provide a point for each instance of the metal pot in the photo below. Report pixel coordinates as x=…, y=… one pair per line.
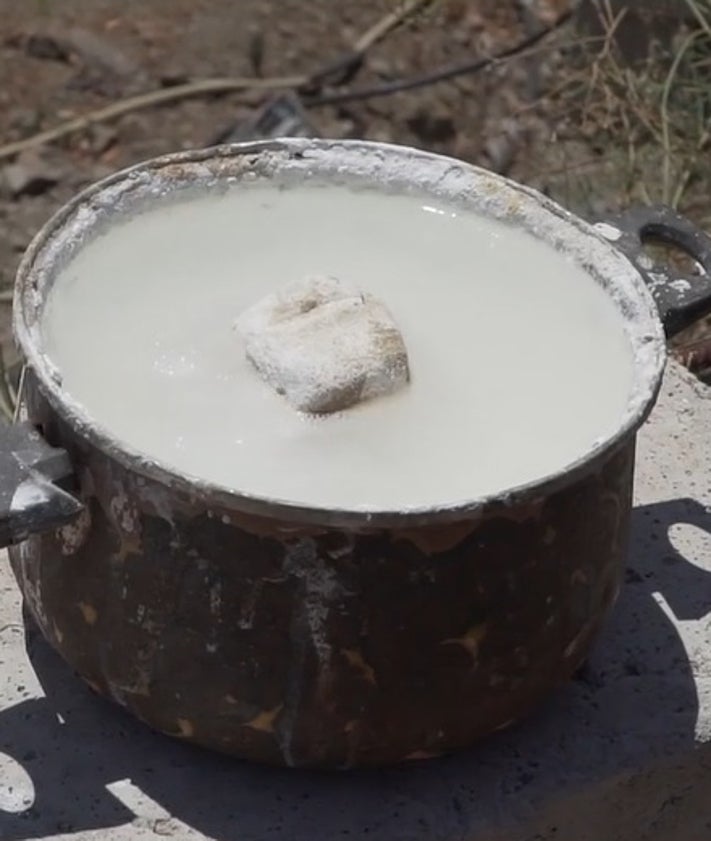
x=314, y=637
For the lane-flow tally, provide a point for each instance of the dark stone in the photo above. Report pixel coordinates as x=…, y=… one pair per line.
x=432, y=128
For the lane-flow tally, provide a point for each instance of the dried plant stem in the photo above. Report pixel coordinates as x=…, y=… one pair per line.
x=664, y=113
x=211, y=86
x=700, y=17
x=386, y=24
x=7, y=401
x=148, y=100
x=686, y=175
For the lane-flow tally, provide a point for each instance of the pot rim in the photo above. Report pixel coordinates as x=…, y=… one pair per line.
x=380, y=164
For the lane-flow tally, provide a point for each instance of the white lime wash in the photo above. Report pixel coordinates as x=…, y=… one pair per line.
x=519, y=359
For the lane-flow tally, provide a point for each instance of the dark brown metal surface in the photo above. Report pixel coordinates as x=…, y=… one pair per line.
x=312, y=646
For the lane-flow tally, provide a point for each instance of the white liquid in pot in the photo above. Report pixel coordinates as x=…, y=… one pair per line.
x=519, y=361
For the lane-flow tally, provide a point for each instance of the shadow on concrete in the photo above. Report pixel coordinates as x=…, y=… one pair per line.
x=634, y=703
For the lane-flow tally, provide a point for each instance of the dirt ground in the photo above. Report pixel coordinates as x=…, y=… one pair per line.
x=62, y=58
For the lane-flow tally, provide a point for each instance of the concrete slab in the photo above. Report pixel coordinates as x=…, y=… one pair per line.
x=622, y=754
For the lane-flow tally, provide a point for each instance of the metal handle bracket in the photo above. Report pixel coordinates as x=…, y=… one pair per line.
x=681, y=297
x=30, y=498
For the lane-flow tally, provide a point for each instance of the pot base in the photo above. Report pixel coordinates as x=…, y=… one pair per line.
x=323, y=647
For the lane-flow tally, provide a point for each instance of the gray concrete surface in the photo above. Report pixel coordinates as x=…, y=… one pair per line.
x=622, y=754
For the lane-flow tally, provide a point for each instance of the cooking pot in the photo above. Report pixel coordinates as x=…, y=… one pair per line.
x=312, y=637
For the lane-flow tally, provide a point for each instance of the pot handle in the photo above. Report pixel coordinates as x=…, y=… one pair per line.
x=681, y=297
x=31, y=499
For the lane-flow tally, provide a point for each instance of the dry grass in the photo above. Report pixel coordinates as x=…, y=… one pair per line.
x=641, y=122
x=636, y=133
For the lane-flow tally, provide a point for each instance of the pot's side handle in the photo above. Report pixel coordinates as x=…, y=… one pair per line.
x=681, y=297
x=30, y=499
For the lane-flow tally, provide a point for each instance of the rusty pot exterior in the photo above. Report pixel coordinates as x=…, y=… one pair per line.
x=321, y=647
x=315, y=637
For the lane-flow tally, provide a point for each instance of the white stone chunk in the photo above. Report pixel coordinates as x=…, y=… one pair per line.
x=325, y=345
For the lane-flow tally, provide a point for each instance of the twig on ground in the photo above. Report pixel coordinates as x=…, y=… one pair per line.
x=147, y=100
x=386, y=24
x=343, y=69
x=517, y=50
x=217, y=86
x=700, y=17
